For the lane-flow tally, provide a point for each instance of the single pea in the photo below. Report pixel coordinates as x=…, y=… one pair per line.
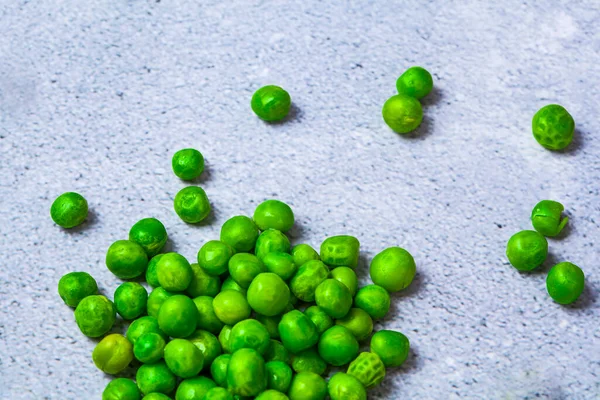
x=244, y=267
x=359, y=322
x=214, y=257
x=527, y=250
x=319, y=317
x=151, y=275
x=373, y=299
x=307, y=386
x=208, y=344
x=69, y=210
x=121, y=389
x=391, y=346
x=113, y=354
x=270, y=323
x=303, y=253
x=309, y=276
x=343, y=386
x=403, y=114
x=277, y=352
x=183, y=358
x=231, y=284
x=202, y=284
x=130, y=300
x=239, y=232
x=178, y=316
x=368, y=369
x=393, y=269
x=274, y=214
x=174, y=272
x=218, y=393
x=188, y=164
x=149, y=233
x=281, y=264
x=156, y=299
x=156, y=396
x=249, y=334
x=194, y=388
x=297, y=332
x=553, y=127
x=546, y=218
x=272, y=395
x=126, y=259
x=224, y=337
x=340, y=251
x=207, y=319
x=268, y=294
x=271, y=103
x=338, y=346
x=246, y=373
x=191, y=204
x=309, y=361
x=75, y=286
x=279, y=376
x=231, y=307
x=218, y=369
x=142, y=326
x=415, y=82
x=565, y=282
x=95, y=315
x=347, y=276
x=271, y=241
x=334, y=298
x=155, y=378
x=149, y=347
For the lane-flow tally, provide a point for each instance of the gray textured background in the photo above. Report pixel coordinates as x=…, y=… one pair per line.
x=95, y=96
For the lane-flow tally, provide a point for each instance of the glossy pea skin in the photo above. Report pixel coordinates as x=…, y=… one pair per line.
x=339, y=251
x=113, y=354
x=218, y=369
x=565, y=282
x=338, y=346
x=207, y=319
x=191, y=204
x=270, y=323
x=392, y=347
x=126, y=259
x=274, y=214
x=224, y=337
x=309, y=361
x=218, y=393
x=142, y=326
x=194, y=388
x=202, y=284
x=244, y=267
x=307, y=386
x=393, y=269
x=156, y=299
x=309, y=276
x=373, y=299
x=270, y=241
x=527, y=250
x=553, y=127
x=272, y=395
x=156, y=396
x=149, y=347
x=403, y=114
x=231, y=284
x=279, y=376
x=319, y=317
x=246, y=373
x=69, y=210
x=268, y=294
x=277, y=352
x=347, y=276
x=131, y=299
x=415, y=82
x=174, y=272
x=249, y=334
x=281, y=264
x=239, y=232
x=334, y=298
x=271, y=103
x=121, y=389
x=149, y=233
x=208, y=344
x=546, y=218
x=187, y=164
x=358, y=322
x=342, y=386
x=303, y=253
x=368, y=369
x=151, y=276
x=231, y=307
x=178, y=316
x=183, y=358
x=214, y=257
x=75, y=286
x=297, y=331
x=155, y=378
x=95, y=315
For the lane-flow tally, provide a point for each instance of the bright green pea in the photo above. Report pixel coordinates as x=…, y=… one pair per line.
x=373, y=299
x=334, y=298
x=271, y=103
x=303, y=253
x=415, y=82
x=307, y=279
x=249, y=334
x=126, y=259
x=553, y=127
x=342, y=386
x=131, y=299
x=174, y=272
x=191, y=204
x=391, y=346
x=277, y=352
x=565, y=282
x=214, y=257
x=156, y=396
x=340, y=251
x=338, y=346
x=272, y=395
x=224, y=337
x=178, y=316
x=231, y=307
x=151, y=275
x=270, y=241
x=113, y=354
x=309, y=361
x=546, y=218
x=270, y=323
x=218, y=369
x=121, y=389
x=149, y=347
x=141, y=326
x=183, y=358
x=188, y=164
x=239, y=232
x=274, y=214
x=281, y=264
x=368, y=369
x=149, y=233
x=203, y=284
x=155, y=378
x=307, y=386
x=207, y=319
x=347, y=276
x=268, y=294
x=156, y=299
x=231, y=284
x=297, y=332
x=279, y=376
x=95, y=315
x=69, y=210
x=75, y=286
x=194, y=388
x=246, y=373
x=359, y=322
x=527, y=250
x=244, y=267
x=393, y=269
x=208, y=344
x=403, y=114
x=218, y=393
x=319, y=317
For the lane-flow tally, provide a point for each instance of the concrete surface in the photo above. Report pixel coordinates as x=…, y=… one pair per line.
x=95, y=97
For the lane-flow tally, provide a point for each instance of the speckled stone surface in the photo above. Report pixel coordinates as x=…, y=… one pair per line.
x=96, y=96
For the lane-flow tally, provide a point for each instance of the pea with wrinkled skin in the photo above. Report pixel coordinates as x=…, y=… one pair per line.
x=187, y=164
x=191, y=204
x=340, y=251
x=309, y=276
x=342, y=386
x=297, y=331
x=131, y=299
x=546, y=218
x=155, y=378
x=309, y=361
x=334, y=298
x=527, y=250
x=69, y=210
x=75, y=286
x=368, y=369
x=95, y=315
x=149, y=233
x=149, y=347
x=319, y=317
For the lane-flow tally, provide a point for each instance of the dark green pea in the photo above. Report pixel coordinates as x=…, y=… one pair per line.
x=69, y=210
x=194, y=388
x=156, y=299
x=130, y=300
x=359, y=322
x=279, y=376
x=149, y=347
x=121, y=389
x=95, y=315
x=202, y=284
x=565, y=282
x=126, y=259
x=303, y=253
x=342, y=386
x=207, y=319
x=231, y=284
x=277, y=352
x=368, y=369
x=309, y=361
x=527, y=250
x=155, y=378
x=174, y=272
x=149, y=233
x=338, y=346
x=218, y=369
x=373, y=299
x=187, y=164
x=307, y=386
x=239, y=232
x=271, y=241
x=244, y=267
x=334, y=298
x=319, y=317
x=214, y=257
x=178, y=316
x=309, y=276
x=246, y=373
x=224, y=337
x=271, y=103
x=546, y=218
x=274, y=214
x=142, y=326
x=75, y=286
x=208, y=344
x=249, y=334
x=113, y=354
x=191, y=204
x=415, y=82
x=391, y=347
x=271, y=323
x=218, y=393
x=281, y=264
x=339, y=251
x=297, y=331
x=347, y=276
x=151, y=275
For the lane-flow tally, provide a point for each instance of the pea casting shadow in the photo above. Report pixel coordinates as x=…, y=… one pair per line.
x=295, y=115
x=169, y=247
x=551, y=260
x=587, y=299
x=90, y=220
x=389, y=386
x=426, y=127
x=209, y=220
x=204, y=177
x=576, y=145
x=296, y=233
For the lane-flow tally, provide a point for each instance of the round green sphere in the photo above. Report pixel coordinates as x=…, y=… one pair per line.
x=527, y=250
x=307, y=386
x=553, y=127
x=231, y=284
x=368, y=369
x=338, y=346
x=207, y=319
x=178, y=316
x=239, y=232
x=246, y=373
x=149, y=347
x=149, y=233
x=319, y=317
x=565, y=282
x=270, y=241
x=75, y=286
x=297, y=331
x=95, y=315
x=339, y=251
x=277, y=352
x=188, y=164
x=373, y=299
x=303, y=253
x=272, y=395
x=69, y=210
x=393, y=269
x=121, y=389
x=343, y=386
x=334, y=298
x=155, y=378
x=224, y=336
x=392, y=347
x=151, y=274
x=402, y=113
x=203, y=284
x=208, y=344
x=194, y=388
x=126, y=259
x=174, y=272
x=191, y=204
x=268, y=294
x=249, y=334
x=131, y=299
x=271, y=103
x=218, y=369
x=141, y=326
x=113, y=354
x=309, y=276
x=359, y=322
x=309, y=361
x=231, y=307
x=415, y=82
x=274, y=214
x=244, y=267
x=183, y=358
x=214, y=257
x=156, y=299
x=281, y=264
x=218, y=393
x=546, y=218
x=279, y=376
x=347, y=276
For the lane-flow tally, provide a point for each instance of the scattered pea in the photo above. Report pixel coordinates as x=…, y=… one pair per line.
x=358, y=322
x=155, y=378
x=249, y=334
x=207, y=319
x=174, y=272
x=546, y=218
x=95, y=315
x=131, y=299
x=231, y=307
x=218, y=369
x=279, y=375
x=191, y=204
x=194, y=388
x=268, y=294
x=202, y=284
x=244, y=267
x=126, y=259
x=281, y=264
x=218, y=393
x=338, y=346
x=340, y=251
x=113, y=354
x=309, y=361
x=309, y=276
x=239, y=232
x=188, y=164
x=151, y=275
x=231, y=284
x=565, y=282
x=246, y=373
x=415, y=82
x=373, y=299
x=319, y=317
x=214, y=257
x=274, y=214
x=121, y=389
x=178, y=316
x=75, y=286
x=297, y=331
x=183, y=358
x=224, y=337
x=69, y=210
x=368, y=369
x=391, y=347
x=307, y=386
x=149, y=347
x=149, y=233
x=270, y=241
x=527, y=250
x=303, y=253
x=393, y=269
x=271, y=103
x=343, y=386
x=334, y=298
x=402, y=113
x=141, y=326
x=156, y=299
x=553, y=127
x=277, y=352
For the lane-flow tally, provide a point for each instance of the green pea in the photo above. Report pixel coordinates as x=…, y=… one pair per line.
x=203, y=284
x=174, y=272
x=297, y=331
x=309, y=276
x=249, y=334
x=244, y=267
x=155, y=378
x=142, y=326
x=303, y=253
x=347, y=276
x=69, y=210
x=183, y=358
x=121, y=389
x=338, y=346
x=334, y=298
x=149, y=233
x=272, y=395
x=113, y=354
x=208, y=344
x=309, y=361
x=403, y=114
x=239, y=232
x=131, y=299
x=191, y=204
x=246, y=373
x=178, y=316
x=218, y=369
x=95, y=315
x=271, y=241
x=546, y=218
x=553, y=127
x=149, y=347
x=188, y=164
x=319, y=317
x=274, y=214
x=218, y=393
x=281, y=264
x=393, y=269
x=279, y=376
x=270, y=323
x=126, y=259
x=156, y=396
x=277, y=352
x=368, y=369
x=307, y=386
x=231, y=284
x=75, y=286
x=565, y=282
x=527, y=250
x=268, y=294
x=214, y=257
x=156, y=299
x=207, y=319
x=151, y=275
x=342, y=386
x=359, y=322
x=271, y=103
x=231, y=307
x=391, y=346
x=373, y=299
x=415, y=82
x=194, y=388
x=224, y=337
x=340, y=251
